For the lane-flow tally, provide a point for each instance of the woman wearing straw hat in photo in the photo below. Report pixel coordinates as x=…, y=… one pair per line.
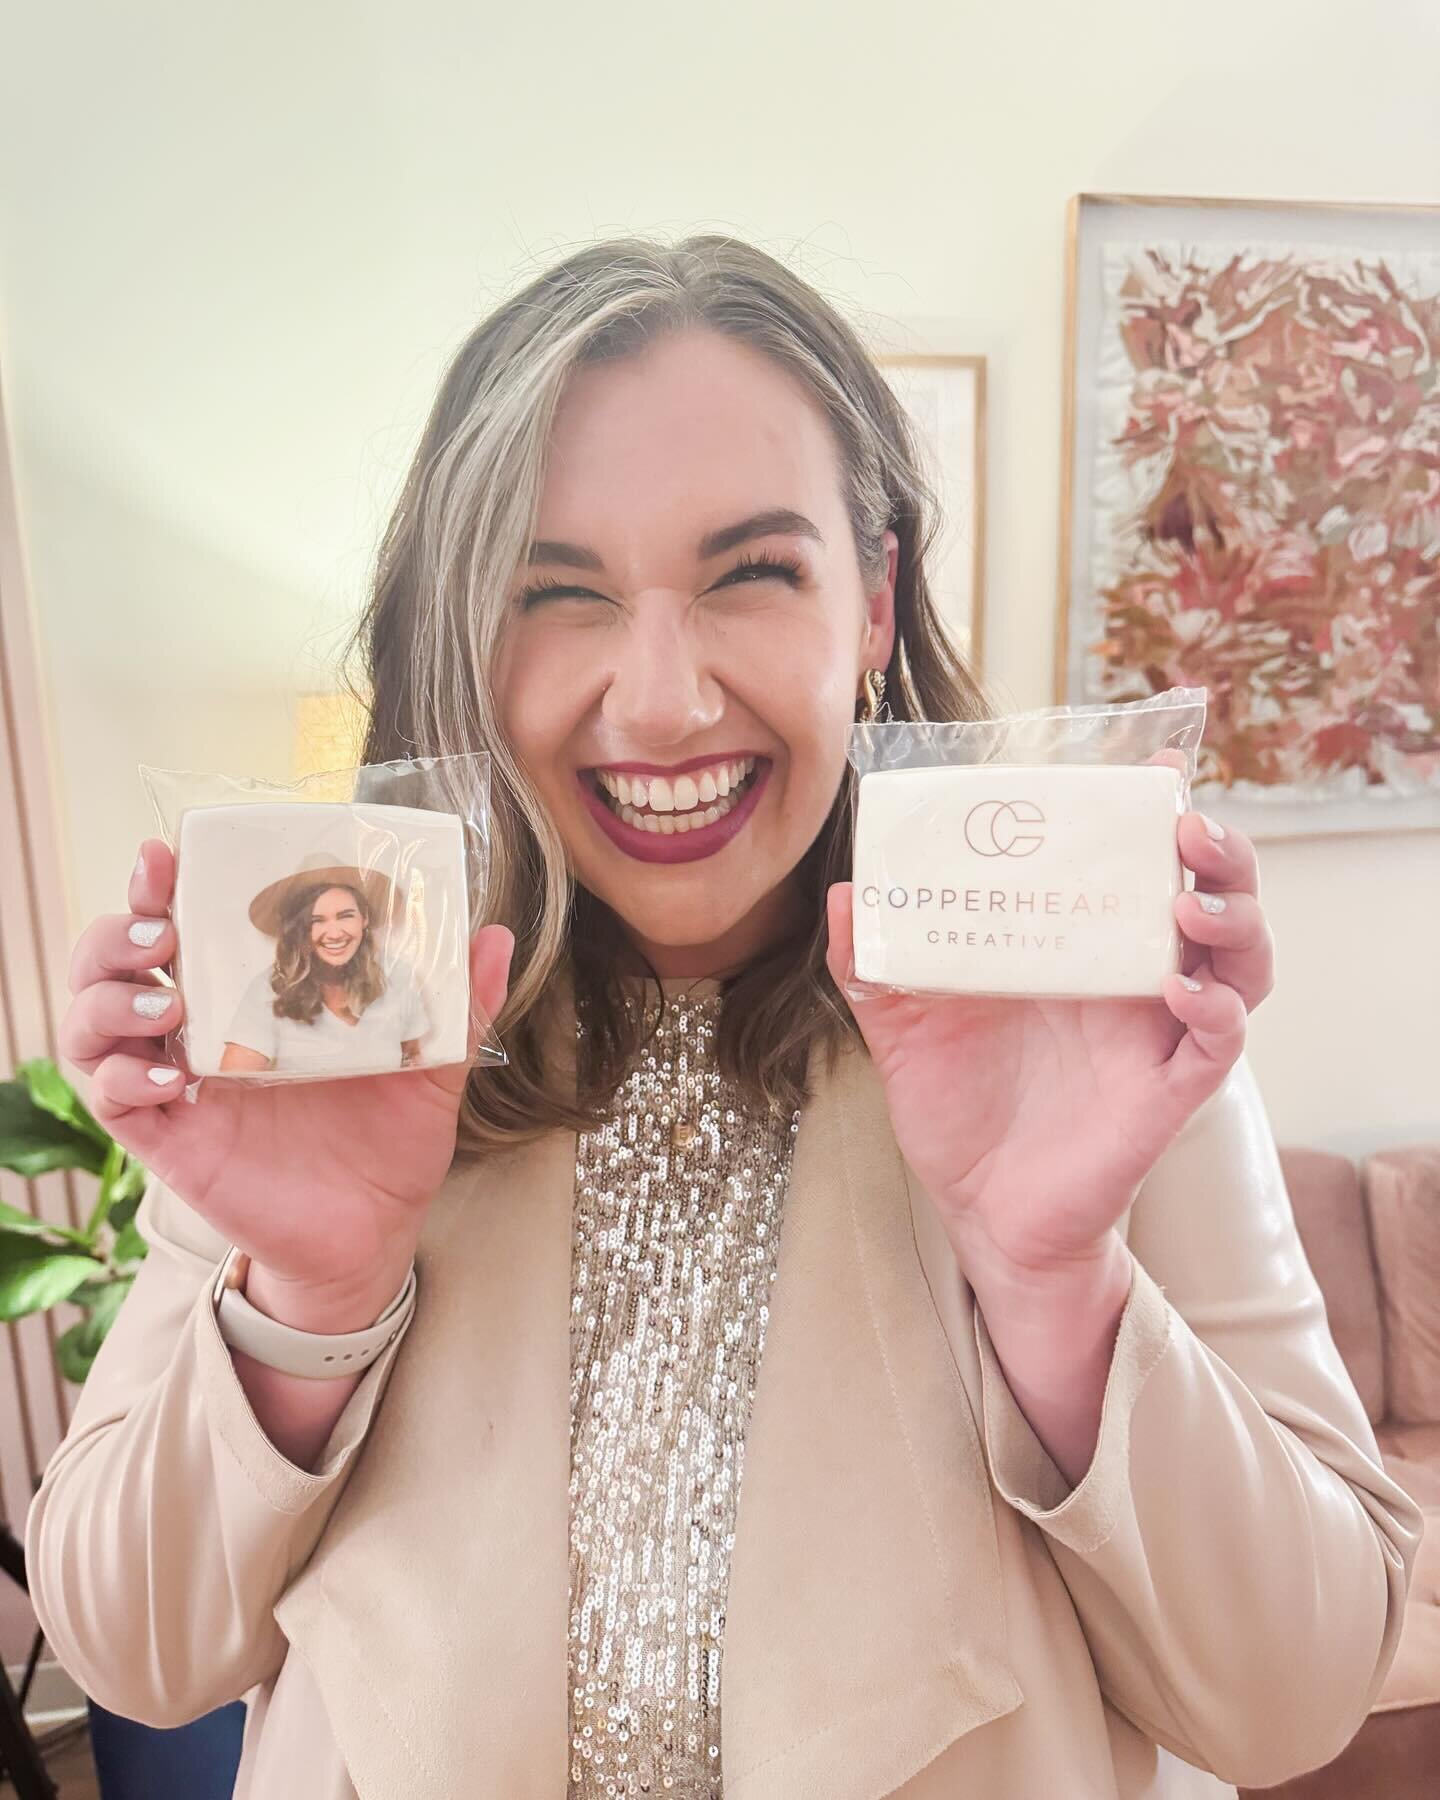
x=327, y=1002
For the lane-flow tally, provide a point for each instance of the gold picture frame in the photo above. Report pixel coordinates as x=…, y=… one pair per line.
x=945, y=399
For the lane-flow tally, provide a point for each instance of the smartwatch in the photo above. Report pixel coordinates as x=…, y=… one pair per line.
x=312, y=1354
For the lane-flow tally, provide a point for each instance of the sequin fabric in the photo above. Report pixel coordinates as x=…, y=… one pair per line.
x=679, y=1196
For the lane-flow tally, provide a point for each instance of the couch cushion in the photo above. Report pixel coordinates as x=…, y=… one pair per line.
x=1411, y=1454
x=1413, y=1679
x=1330, y=1215
x=1402, y=1189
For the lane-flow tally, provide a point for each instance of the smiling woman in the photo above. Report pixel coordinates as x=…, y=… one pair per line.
x=1011, y=1524
x=327, y=1005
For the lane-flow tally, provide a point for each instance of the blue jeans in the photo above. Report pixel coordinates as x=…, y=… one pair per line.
x=140, y=1762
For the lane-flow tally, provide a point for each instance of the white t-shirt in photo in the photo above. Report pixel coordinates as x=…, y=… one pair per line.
x=328, y=1044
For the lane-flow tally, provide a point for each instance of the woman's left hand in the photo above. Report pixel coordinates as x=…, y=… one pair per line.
x=1032, y=1123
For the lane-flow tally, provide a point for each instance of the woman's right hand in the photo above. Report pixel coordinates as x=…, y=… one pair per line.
x=325, y=1184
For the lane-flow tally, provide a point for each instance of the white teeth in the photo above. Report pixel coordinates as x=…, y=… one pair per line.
x=680, y=793
x=681, y=804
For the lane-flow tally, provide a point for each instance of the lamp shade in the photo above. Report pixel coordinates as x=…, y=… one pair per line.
x=329, y=733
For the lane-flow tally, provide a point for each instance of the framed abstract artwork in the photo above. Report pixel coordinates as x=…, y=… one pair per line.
x=944, y=398
x=1251, y=496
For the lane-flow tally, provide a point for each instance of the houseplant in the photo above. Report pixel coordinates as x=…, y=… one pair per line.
x=45, y=1126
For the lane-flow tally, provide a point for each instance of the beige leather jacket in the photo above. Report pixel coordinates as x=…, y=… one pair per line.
x=920, y=1604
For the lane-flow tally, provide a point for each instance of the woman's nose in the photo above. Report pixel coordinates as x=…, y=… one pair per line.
x=660, y=690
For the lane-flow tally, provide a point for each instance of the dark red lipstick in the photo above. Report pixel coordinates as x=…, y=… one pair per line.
x=688, y=846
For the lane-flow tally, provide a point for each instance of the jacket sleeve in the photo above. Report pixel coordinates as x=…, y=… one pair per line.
x=167, y=1525
x=1238, y=1558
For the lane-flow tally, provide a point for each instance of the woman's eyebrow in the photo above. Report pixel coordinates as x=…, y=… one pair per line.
x=777, y=521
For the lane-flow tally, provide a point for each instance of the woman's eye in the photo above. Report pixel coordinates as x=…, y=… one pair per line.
x=751, y=568
x=747, y=571
x=554, y=590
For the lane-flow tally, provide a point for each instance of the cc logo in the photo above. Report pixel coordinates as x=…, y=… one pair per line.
x=990, y=828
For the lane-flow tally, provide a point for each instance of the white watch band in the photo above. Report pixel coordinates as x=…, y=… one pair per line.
x=312, y=1354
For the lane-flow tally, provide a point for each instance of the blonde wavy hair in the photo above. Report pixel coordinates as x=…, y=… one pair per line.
x=426, y=642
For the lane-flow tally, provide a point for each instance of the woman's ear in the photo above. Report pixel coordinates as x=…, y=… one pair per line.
x=877, y=643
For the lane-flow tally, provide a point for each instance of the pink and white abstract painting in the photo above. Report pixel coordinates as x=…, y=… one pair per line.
x=1256, y=510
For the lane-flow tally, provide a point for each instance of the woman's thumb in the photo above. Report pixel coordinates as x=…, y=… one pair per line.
x=490, y=951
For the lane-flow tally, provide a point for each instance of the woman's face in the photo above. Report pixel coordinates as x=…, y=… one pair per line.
x=336, y=927
x=682, y=715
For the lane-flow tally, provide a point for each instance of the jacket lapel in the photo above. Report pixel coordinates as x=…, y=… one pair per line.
x=865, y=1625
x=865, y=1628
x=434, y=1612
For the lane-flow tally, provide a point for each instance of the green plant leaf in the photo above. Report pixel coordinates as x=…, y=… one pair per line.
x=12, y=1218
x=129, y=1246
x=129, y=1186
x=33, y=1141
x=52, y=1093
x=34, y=1276
x=122, y=1212
x=89, y=1292
x=109, y=1301
x=76, y=1349
x=114, y=1166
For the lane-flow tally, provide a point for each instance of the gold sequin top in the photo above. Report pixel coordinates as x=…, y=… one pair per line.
x=678, y=1203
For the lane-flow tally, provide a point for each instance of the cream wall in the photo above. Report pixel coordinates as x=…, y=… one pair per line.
x=235, y=245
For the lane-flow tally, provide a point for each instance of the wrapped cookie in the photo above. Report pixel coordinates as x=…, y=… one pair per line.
x=1028, y=855
x=324, y=927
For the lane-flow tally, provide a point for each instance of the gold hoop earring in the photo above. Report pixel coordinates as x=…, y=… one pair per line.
x=874, y=694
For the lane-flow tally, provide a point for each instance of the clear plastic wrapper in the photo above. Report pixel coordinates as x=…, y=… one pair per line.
x=1031, y=855
x=324, y=925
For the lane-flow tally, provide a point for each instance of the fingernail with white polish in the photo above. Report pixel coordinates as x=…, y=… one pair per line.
x=1194, y=986
x=151, y=1004
x=1215, y=830
x=1211, y=903
x=145, y=932
x=140, y=864
x=163, y=1076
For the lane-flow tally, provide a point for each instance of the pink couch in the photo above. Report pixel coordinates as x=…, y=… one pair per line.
x=1372, y=1236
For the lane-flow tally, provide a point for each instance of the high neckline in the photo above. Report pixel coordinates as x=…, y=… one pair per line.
x=674, y=987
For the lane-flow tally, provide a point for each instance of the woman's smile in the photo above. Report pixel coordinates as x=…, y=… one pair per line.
x=680, y=814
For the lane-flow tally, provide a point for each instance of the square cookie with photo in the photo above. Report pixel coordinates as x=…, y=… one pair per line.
x=318, y=940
